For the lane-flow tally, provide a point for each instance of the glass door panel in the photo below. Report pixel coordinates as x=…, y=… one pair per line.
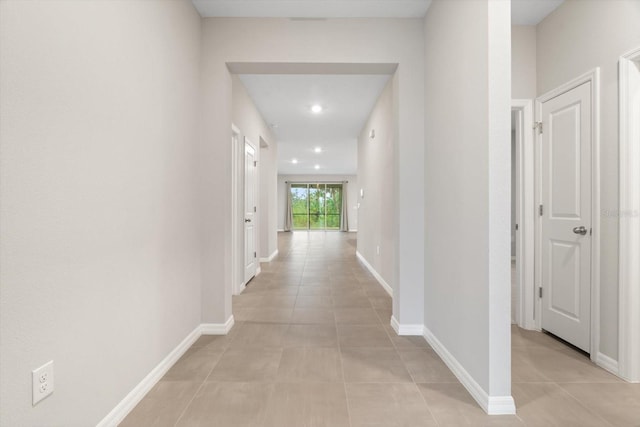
x=316, y=206
x=300, y=206
x=333, y=196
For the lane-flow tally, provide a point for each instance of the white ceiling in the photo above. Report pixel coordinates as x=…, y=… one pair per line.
x=531, y=12
x=523, y=12
x=286, y=100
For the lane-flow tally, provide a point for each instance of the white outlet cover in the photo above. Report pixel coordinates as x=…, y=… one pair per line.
x=42, y=382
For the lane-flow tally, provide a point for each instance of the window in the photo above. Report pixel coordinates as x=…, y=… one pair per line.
x=316, y=206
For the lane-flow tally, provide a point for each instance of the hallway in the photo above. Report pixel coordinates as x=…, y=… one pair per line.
x=312, y=346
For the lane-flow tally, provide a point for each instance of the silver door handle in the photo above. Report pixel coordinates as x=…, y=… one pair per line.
x=247, y=220
x=580, y=230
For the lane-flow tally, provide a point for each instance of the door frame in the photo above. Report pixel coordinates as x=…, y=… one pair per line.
x=629, y=229
x=237, y=284
x=593, y=77
x=525, y=238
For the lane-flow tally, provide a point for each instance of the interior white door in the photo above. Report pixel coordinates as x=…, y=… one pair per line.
x=250, y=255
x=566, y=216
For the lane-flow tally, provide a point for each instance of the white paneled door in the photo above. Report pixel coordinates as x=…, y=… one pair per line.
x=250, y=255
x=566, y=215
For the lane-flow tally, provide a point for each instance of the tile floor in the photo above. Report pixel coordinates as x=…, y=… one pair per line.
x=312, y=347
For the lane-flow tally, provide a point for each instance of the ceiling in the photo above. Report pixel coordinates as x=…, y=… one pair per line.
x=313, y=8
x=285, y=102
x=523, y=12
x=531, y=12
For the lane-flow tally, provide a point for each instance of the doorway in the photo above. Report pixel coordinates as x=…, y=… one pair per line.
x=316, y=206
x=567, y=216
x=523, y=166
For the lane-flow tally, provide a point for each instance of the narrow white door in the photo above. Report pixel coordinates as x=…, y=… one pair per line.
x=250, y=256
x=566, y=216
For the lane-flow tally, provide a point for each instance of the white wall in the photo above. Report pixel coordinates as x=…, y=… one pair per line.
x=352, y=194
x=334, y=41
x=513, y=186
x=467, y=182
x=575, y=38
x=252, y=126
x=99, y=218
x=376, y=158
x=523, y=62
x=269, y=200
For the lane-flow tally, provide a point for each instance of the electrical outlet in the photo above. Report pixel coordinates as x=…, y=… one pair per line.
x=42, y=379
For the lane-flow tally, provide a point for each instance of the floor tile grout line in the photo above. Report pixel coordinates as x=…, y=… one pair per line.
x=184, y=411
x=424, y=399
x=582, y=404
x=344, y=381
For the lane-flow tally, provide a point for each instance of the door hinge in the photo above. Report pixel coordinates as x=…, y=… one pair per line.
x=540, y=292
x=541, y=210
x=538, y=125
x=255, y=163
x=516, y=227
x=255, y=255
x=255, y=209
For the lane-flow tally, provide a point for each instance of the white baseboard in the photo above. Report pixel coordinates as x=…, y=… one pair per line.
x=134, y=397
x=126, y=405
x=355, y=230
x=217, y=328
x=607, y=363
x=280, y=230
x=270, y=257
x=243, y=285
x=407, y=330
x=258, y=270
x=373, y=271
x=492, y=405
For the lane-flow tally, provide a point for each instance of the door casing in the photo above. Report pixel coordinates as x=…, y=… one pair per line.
x=237, y=280
x=629, y=216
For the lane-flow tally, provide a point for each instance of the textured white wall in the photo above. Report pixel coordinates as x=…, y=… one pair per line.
x=575, y=38
x=352, y=194
x=99, y=218
x=269, y=193
x=376, y=159
x=523, y=62
x=467, y=275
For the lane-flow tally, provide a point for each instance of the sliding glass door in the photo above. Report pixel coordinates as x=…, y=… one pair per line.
x=316, y=206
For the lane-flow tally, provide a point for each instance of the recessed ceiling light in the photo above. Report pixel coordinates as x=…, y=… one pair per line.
x=316, y=167
x=294, y=161
x=318, y=149
x=316, y=108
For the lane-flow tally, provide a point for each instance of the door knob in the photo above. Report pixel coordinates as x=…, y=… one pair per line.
x=247, y=220
x=580, y=230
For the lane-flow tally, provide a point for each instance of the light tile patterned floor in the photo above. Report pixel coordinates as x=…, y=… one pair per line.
x=312, y=347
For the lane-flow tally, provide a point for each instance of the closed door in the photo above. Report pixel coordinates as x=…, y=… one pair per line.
x=566, y=216
x=250, y=255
